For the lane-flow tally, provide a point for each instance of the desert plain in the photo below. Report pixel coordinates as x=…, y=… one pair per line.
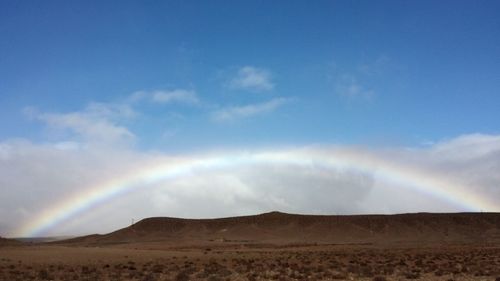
x=271, y=246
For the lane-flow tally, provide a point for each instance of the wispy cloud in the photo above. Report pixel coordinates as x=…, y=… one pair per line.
x=477, y=145
x=252, y=79
x=104, y=124
x=245, y=111
x=350, y=87
x=358, y=82
x=167, y=96
x=376, y=67
x=96, y=124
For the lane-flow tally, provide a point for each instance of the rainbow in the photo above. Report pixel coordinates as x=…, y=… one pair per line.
x=173, y=168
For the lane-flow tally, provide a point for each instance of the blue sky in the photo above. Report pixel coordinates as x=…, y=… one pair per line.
x=423, y=70
x=91, y=91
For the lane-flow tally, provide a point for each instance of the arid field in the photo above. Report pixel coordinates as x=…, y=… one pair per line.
x=271, y=246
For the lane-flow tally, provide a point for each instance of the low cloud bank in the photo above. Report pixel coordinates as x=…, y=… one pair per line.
x=36, y=177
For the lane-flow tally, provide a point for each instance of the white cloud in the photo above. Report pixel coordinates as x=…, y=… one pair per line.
x=110, y=110
x=348, y=86
x=477, y=145
x=175, y=95
x=376, y=67
x=105, y=124
x=36, y=177
x=97, y=124
x=237, y=112
x=166, y=96
x=359, y=82
x=252, y=79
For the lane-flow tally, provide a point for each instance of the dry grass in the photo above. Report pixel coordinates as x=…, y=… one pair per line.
x=297, y=263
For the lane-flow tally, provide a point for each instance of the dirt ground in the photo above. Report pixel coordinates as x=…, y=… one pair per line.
x=147, y=262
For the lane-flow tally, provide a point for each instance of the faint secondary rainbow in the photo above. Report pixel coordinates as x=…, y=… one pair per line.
x=170, y=169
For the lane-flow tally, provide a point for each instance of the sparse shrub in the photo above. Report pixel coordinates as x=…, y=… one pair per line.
x=366, y=271
x=412, y=275
x=148, y=277
x=252, y=276
x=388, y=270
x=43, y=274
x=158, y=268
x=353, y=268
x=182, y=276
x=339, y=276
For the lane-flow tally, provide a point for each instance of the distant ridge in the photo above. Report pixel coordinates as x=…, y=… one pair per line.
x=283, y=228
x=8, y=242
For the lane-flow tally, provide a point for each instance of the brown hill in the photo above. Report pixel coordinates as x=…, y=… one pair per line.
x=8, y=242
x=281, y=228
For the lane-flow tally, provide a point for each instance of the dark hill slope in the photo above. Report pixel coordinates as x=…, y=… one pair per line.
x=8, y=242
x=281, y=228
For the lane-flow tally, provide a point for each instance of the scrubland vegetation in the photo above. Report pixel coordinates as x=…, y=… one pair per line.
x=302, y=263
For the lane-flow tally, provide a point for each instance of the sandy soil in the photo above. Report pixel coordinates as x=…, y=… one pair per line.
x=244, y=262
x=272, y=246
